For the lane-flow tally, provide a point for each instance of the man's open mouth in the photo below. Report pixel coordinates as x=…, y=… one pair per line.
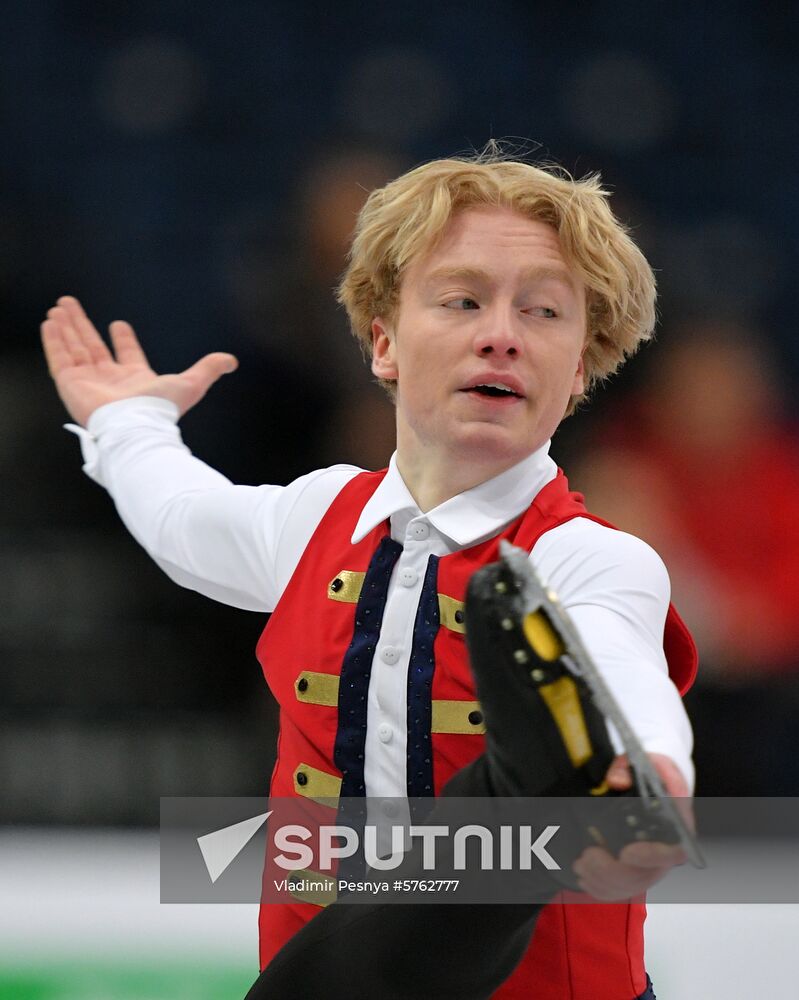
x=493, y=389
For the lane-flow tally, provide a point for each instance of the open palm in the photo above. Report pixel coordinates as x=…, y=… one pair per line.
x=87, y=374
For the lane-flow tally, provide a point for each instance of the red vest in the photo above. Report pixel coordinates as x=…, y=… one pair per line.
x=582, y=951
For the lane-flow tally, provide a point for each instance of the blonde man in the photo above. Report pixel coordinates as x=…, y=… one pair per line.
x=490, y=296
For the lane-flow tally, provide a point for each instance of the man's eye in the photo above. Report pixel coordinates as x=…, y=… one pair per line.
x=461, y=304
x=545, y=311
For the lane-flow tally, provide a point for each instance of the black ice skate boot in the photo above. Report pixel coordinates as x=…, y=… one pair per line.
x=546, y=710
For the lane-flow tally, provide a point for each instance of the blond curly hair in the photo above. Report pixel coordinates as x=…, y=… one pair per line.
x=406, y=218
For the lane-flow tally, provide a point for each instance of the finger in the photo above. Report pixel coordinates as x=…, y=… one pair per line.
x=56, y=352
x=592, y=861
x=126, y=344
x=609, y=882
x=622, y=882
x=596, y=868
x=85, y=329
x=670, y=775
x=652, y=855
x=685, y=808
x=619, y=775
x=73, y=343
x=641, y=855
x=676, y=785
x=210, y=368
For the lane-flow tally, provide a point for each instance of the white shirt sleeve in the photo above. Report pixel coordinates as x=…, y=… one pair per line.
x=236, y=544
x=617, y=591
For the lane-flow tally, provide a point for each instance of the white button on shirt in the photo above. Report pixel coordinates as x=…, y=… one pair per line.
x=241, y=544
x=385, y=733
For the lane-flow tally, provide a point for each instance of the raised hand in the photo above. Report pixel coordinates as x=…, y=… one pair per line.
x=87, y=374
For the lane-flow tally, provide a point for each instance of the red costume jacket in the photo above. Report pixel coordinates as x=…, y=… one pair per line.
x=316, y=653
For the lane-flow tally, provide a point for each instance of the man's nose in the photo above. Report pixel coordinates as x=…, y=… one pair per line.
x=499, y=336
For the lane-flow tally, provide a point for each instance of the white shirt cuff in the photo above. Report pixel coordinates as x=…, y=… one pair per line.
x=149, y=411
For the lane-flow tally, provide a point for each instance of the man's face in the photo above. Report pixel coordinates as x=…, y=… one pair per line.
x=486, y=345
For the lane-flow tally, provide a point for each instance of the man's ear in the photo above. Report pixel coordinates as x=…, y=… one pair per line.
x=384, y=364
x=578, y=385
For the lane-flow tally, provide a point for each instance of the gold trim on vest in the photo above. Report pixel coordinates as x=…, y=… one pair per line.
x=346, y=586
x=317, y=689
x=450, y=613
x=320, y=894
x=457, y=717
x=321, y=786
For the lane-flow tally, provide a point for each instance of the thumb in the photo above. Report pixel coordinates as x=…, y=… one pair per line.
x=207, y=370
x=192, y=384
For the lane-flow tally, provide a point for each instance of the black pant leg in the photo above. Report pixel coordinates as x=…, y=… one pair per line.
x=400, y=952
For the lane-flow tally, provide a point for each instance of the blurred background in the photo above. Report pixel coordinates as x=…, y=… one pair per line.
x=195, y=169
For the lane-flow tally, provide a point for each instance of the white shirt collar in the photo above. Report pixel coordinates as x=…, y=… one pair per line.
x=478, y=513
